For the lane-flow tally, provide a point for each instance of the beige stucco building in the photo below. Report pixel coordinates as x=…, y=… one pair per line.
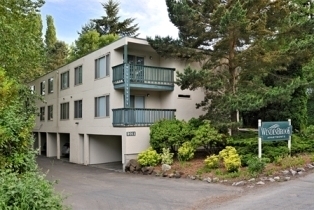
x=103, y=103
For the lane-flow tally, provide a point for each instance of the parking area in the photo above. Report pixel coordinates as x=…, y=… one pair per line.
x=88, y=187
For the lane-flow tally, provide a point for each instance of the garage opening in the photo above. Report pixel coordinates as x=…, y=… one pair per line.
x=65, y=146
x=105, y=151
x=52, y=145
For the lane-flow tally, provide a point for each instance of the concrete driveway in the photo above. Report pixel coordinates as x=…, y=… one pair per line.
x=95, y=188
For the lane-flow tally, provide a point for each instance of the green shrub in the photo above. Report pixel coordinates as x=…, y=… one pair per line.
x=148, y=157
x=287, y=162
x=27, y=191
x=212, y=161
x=186, y=151
x=207, y=137
x=231, y=159
x=168, y=134
x=166, y=156
x=256, y=165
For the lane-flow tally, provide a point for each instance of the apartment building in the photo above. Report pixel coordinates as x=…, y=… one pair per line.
x=101, y=105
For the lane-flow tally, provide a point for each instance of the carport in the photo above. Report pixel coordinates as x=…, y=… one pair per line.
x=52, y=145
x=105, y=149
x=64, y=141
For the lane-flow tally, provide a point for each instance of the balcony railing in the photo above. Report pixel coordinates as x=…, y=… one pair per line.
x=147, y=75
x=140, y=117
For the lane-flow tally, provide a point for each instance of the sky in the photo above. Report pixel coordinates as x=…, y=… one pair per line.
x=70, y=15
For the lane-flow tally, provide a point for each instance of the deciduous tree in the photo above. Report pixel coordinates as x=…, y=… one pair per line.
x=21, y=44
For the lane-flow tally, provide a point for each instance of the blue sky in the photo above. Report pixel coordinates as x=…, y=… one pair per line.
x=70, y=15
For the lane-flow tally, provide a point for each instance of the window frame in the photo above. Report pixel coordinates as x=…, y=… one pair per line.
x=50, y=85
x=50, y=113
x=62, y=87
x=106, y=66
x=42, y=113
x=79, y=70
x=43, y=88
x=106, y=108
x=78, y=109
x=66, y=115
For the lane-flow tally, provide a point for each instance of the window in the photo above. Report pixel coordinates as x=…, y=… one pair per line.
x=65, y=83
x=78, y=109
x=184, y=96
x=64, y=111
x=78, y=75
x=50, y=85
x=50, y=112
x=42, y=88
x=102, y=67
x=42, y=113
x=33, y=89
x=102, y=106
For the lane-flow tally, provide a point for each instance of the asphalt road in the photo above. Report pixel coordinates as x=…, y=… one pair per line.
x=93, y=188
x=292, y=195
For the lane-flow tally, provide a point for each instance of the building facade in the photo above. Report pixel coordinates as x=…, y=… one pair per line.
x=101, y=105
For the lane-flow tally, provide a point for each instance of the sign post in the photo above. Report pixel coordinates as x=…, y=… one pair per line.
x=274, y=131
x=259, y=140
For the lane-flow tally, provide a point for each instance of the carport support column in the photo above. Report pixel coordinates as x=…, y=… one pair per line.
x=48, y=146
x=39, y=143
x=58, y=146
x=86, y=149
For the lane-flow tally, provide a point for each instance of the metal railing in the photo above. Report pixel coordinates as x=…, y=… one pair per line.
x=144, y=74
x=140, y=117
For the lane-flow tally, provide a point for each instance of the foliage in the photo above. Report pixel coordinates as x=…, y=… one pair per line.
x=21, y=43
x=110, y=24
x=288, y=162
x=229, y=37
x=295, y=109
x=231, y=159
x=207, y=137
x=27, y=191
x=186, y=151
x=212, y=161
x=56, y=51
x=256, y=165
x=51, y=35
x=21, y=187
x=168, y=134
x=148, y=157
x=16, y=123
x=166, y=156
x=90, y=41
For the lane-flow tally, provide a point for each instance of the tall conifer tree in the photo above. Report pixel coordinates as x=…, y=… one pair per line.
x=239, y=43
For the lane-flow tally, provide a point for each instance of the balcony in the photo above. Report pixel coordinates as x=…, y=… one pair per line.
x=144, y=77
x=135, y=117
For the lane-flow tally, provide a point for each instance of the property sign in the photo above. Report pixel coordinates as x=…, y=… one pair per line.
x=272, y=131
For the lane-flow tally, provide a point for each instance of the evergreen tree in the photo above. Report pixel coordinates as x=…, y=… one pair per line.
x=110, y=23
x=239, y=43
